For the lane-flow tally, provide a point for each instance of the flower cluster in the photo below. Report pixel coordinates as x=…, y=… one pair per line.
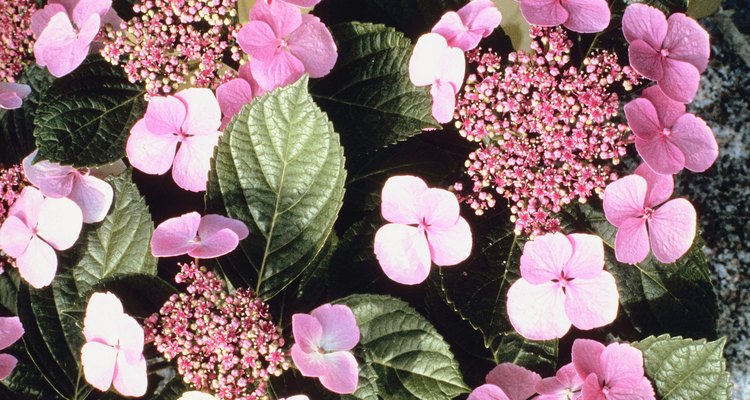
x=171, y=43
x=544, y=127
x=16, y=37
x=223, y=343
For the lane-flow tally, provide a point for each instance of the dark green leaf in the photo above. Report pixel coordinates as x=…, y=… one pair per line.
x=368, y=95
x=280, y=169
x=141, y=294
x=86, y=116
x=9, y=283
x=685, y=369
x=401, y=355
x=26, y=382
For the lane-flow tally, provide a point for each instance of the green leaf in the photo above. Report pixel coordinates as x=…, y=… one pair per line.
x=17, y=126
x=86, y=116
x=702, y=8
x=26, y=382
x=400, y=353
x=368, y=95
x=685, y=369
x=280, y=169
x=121, y=243
x=514, y=24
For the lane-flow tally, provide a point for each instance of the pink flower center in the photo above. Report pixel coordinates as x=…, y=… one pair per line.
x=648, y=213
x=563, y=281
x=666, y=132
x=283, y=43
x=605, y=390
x=664, y=52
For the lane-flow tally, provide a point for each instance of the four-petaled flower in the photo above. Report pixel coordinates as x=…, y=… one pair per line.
x=584, y=16
x=442, y=67
x=565, y=385
x=425, y=226
x=322, y=343
x=630, y=204
x=199, y=237
x=614, y=372
x=562, y=282
x=671, y=52
x=10, y=331
x=12, y=95
x=507, y=381
x=467, y=26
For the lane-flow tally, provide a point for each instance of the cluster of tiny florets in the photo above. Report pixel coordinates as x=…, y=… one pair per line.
x=544, y=128
x=222, y=343
x=174, y=43
x=16, y=39
x=12, y=181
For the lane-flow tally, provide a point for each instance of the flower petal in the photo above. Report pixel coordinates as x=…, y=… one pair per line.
x=215, y=245
x=280, y=70
x=86, y=8
x=543, y=12
x=10, y=331
x=7, y=365
x=283, y=18
x=624, y=199
x=193, y=160
x=310, y=364
x=667, y=109
x=586, y=356
x=646, y=60
x=233, y=95
x=12, y=94
x=592, y=303
x=587, y=16
x=687, y=41
x=451, y=245
x=696, y=141
x=592, y=389
x=621, y=365
x=258, y=40
x=340, y=330
x=342, y=372
x=165, y=115
x=308, y=335
x=130, y=378
x=516, y=382
x=443, y=101
x=15, y=236
x=643, y=119
x=27, y=206
x=60, y=222
x=175, y=236
x=41, y=18
x=672, y=230
x=98, y=361
x=102, y=310
x=313, y=45
x=660, y=154
x=203, y=112
x=646, y=23
x=149, y=152
x=424, y=64
x=587, y=258
x=481, y=16
x=38, y=264
x=680, y=80
x=452, y=28
x=403, y=253
x=659, y=186
x=62, y=49
x=212, y=223
x=93, y=196
x=544, y=258
x=399, y=199
x=52, y=179
x=130, y=335
x=487, y=392
x=437, y=208
x=537, y=312
x=631, y=241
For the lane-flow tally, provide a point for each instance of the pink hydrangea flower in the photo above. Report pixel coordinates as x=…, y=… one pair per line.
x=507, y=381
x=668, y=138
x=234, y=94
x=565, y=385
x=113, y=353
x=91, y=194
x=440, y=66
x=190, y=119
x=12, y=95
x=60, y=45
x=36, y=226
x=425, y=227
x=584, y=16
x=563, y=282
x=671, y=52
x=284, y=44
x=10, y=331
x=630, y=204
x=322, y=343
x=467, y=26
x=614, y=372
x=199, y=237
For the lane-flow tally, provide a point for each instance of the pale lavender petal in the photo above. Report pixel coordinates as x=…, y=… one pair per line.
x=340, y=330
x=313, y=45
x=680, y=80
x=311, y=364
x=537, y=312
x=672, y=230
x=130, y=336
x=38, y=264
x=40, y=19
x=399, y=199
x=15, y=236
x=452, y=28
x=52, y=179
x=130, y=378
x=631, y=241
x=60, y=222
x=643, y=119
x=543, y=12
x=233, y=95
x=308, y=333
x=624, y=199
x=215, y=245
x=667, y=109
x=93, y=196
x=282, y=69
x=341, y=374
x=480, y=16
x=86, y=8
x=587, y=259
x=7, y=365
x=193, y=160
x=10, y=331
x=487, y=392
x=203, y=112
x=586, y=354
x=283, y=18
x=403, y=253
x=592, y=303
x=175, y=236
x=424, y=64
x=152, y=153
x=659, y=186
x=437, y=208
x=212, y=223
x=165, y=115
x=587, y=16
x=646, y=60
x=450, y=245
x=443, y=101
x=258, y=39
x=102, y=310
x=621, y=365
x=660, y=154
x=27, y=206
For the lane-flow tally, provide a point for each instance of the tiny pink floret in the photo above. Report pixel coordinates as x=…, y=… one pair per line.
x=204, y=237
x=583, y=16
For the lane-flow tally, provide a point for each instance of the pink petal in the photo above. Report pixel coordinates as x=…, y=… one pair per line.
x=150, y=152
x=543, y=12
x=15, y=236
x=193, y=160
x=7, y=365
x=659, y=186
x=281, y=70
x=696, y=141
x=480, y=16
x=667, y=109
x=165, y=115
x=130, y=335
x=592, y=389
x=624, y=199
x=451, y=68
x=60, y=48
x=516, y=382
x=680, y=80
x=341, y=374
x=10, y=101
x=660, y=154
x=258, y=39
x=310, y=364
x=643, y=119
x=551, y=389
x=646, y=23
x=403, y=253
x=621, y=365
x=631, y=241
x=86, y=8
x=537, y=312
x=40, y=19
x=12, y=95
x=102, y=310
x=60, y=222
x=305, y=4
x=313, y=45
x=51, y=178
x=646, y=60
x=93, y=196
x=592, y=303
x=451, y=245
x=587, y=16
x=308, y=335
x=566, y=378
x=176, y=236
x=213, y=223
x=452, y=28
x=27, y=206
x=437, y=208
x=544, y=258
x=340, y=330
x=283, y=18
x=399, y=199
x=687, y=41
x=130, y=377
x=487, y=392
x=233, y=95
x=672, y=230
x=10, y=331
x=424, y=64
x=586, y=355
x=216, y=245
x=203, y=112
x=246, y=73
x=443, y=102
x=98, y=361
x=587, y=258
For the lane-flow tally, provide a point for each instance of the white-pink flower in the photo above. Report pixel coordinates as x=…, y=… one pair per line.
x=467, y=26
x=637, y=205
x=190, y=119
x=12, y=95
x=113, y=353
x=440, y=66
x=507, y=381
x=425, y=227
x=35, y=227
x=614, y=372
x=199, y=237
x=322, y=343
x=10, y=331
x=91, y=194
x=563, y=282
